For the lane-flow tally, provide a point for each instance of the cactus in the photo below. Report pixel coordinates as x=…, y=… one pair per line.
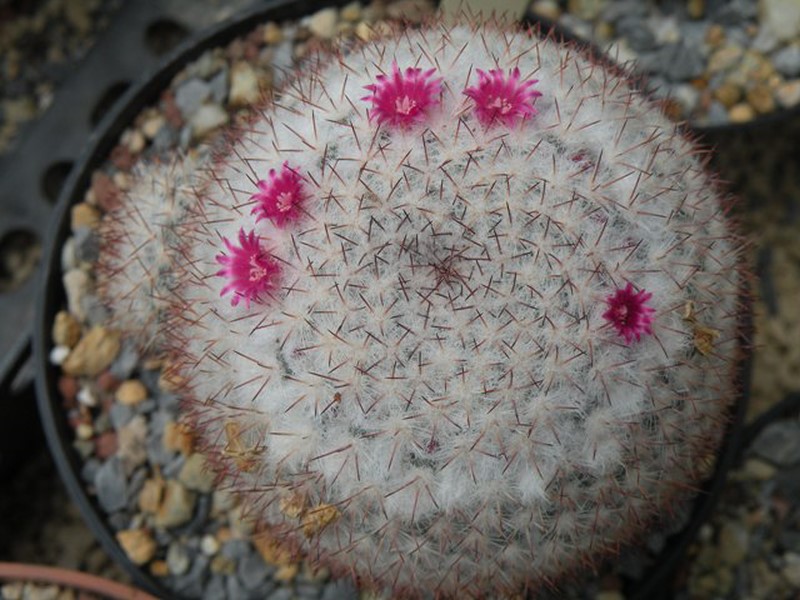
x=482, y=311
x=142, y=239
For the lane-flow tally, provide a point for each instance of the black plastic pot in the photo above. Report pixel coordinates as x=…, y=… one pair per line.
x=52, y=299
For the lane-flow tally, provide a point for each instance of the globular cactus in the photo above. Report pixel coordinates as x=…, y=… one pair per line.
x=480, y=314
x=143, y=237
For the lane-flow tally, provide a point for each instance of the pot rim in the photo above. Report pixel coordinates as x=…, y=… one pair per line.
x=77, y=580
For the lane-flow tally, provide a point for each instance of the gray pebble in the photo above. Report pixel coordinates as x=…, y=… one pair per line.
x=95, y=311
x=640, y=37
x=681, y=62
x=790, y=540
x=236, y=549
x=119, y=520
x=733, y=12
x=281, y=593
x=614, y=11
x=178, y=559
x=111, y=485
x=87, y=244
x=124, y=364
x=251, y=570
x=309, y=591
x=200, y=518
x=235, y=589
x=165, y=139
x=173, y=466
x=89, y=470
x=120, y=415
x=787, y=60
x=192, y=583
x=135, y=485
x=779, y=443
x=215, y=590
x=190, y=95
x=146, y=406
x=203, y=67
x=168, y=402
x=219, y=86
x=340, y=589
x=185, y=137
x=157, y=454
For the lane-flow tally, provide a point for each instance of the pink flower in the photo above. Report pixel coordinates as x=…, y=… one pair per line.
x=403, y=99
x=280, y=196
x=501, y=98
x=629, y=314
x=250, y=270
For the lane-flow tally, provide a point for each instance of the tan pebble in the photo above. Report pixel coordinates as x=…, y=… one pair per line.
x=244, y=85
x=178, y=437
x=696, y=8
x=93, y=353
x=351, y=13
x=286, y=573
x=84, y=215
x=741, y=113
x=223, y=565
x=224, y=535
x=365, y=32
x=273, y=34
x=760, y=98
x=604, y=31
x=177, y=506
x=724, y=58
x=344, y=30
x=323, y=23
x=788, y=94
x=318, y=518
x=728, y=94
x=136, y=141
x=66, y=329
x=758, y=470
x=196, y=475
x=131, y=392
x=122, y=180
x=138, y=544
x=159, y=568
x=152, y=126
x=547, y=9
x=151, y=495
x=609, y=595
x=715, y=35
x=410, y=11
x=84, y=431
x=273, y=550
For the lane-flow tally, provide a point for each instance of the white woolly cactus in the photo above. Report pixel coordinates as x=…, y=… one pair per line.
x=489, y=326
x=142, y=239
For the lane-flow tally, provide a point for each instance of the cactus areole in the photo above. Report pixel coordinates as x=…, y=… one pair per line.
x=469, y=360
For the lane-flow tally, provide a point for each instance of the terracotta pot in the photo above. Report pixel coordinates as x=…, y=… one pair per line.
x=74, y=580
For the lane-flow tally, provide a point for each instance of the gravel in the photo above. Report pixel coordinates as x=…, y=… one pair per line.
x=752, y=45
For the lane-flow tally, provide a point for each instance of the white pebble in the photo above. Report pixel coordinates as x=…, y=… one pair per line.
x=58, y=355
x=86, y=397
x=209, y=545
